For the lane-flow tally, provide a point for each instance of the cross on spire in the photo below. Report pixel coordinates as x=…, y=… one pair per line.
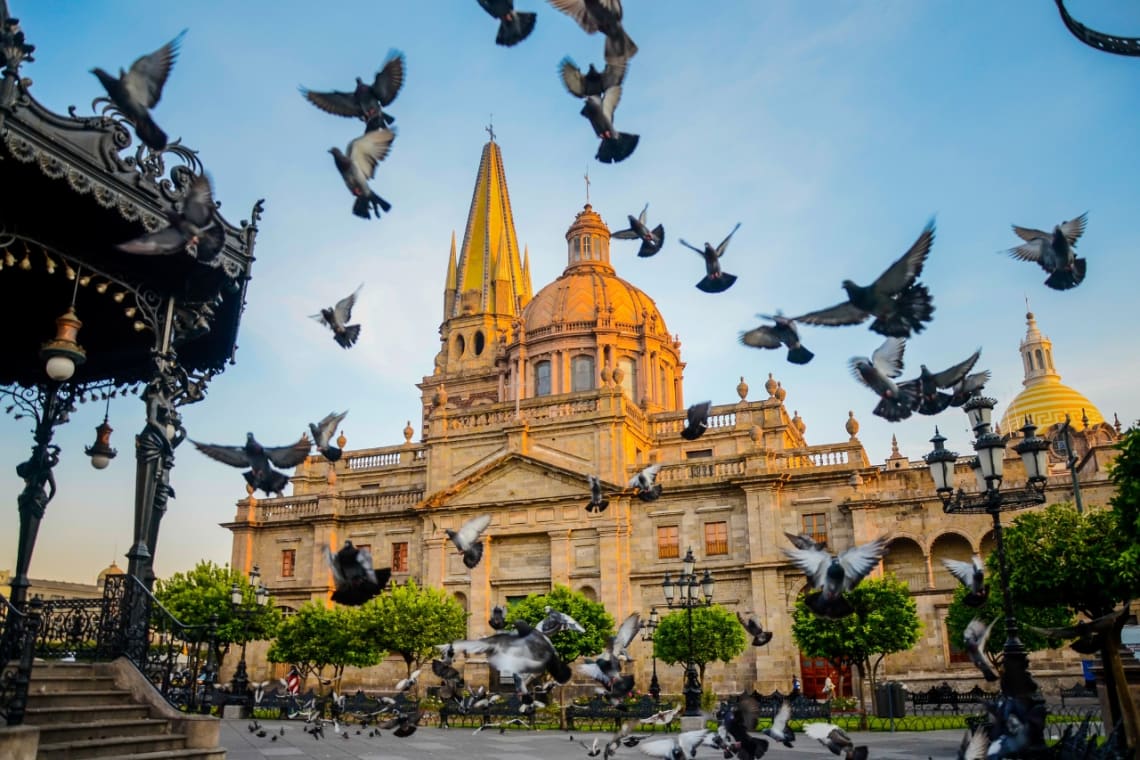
x=491, y=128
x=586, y=176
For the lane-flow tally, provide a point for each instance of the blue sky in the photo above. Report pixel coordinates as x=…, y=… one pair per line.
x=832, y=130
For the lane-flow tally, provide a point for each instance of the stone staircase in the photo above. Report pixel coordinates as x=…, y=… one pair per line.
x=107, y=710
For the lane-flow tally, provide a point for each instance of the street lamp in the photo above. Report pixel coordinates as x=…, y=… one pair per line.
x=237, y=599
x=647, y=632
x=686, y=594
x=1016, y=682
x=1071, y=463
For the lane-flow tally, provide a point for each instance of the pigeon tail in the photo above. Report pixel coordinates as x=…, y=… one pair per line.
x=894, y=409
x=516, y=29
x=652, y=247
x=378, y=121
x=472, y=556
x=616, y=149
x=559, y=670
x=347, y=339
x=908, y=311
x=693, y=433
x=935, y=404
x=974, y=599
x=598, y=507
x=331, y=453
x=149, y=133
x=718, y=284
x=366, y=205
x=799, y=355
x=650, y=494
x=1066, y=279
x=356, y=594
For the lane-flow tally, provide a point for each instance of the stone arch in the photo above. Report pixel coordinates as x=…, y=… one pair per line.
x=459, y=345
x=462, y=599
x=949, y=545
x=480, y=342
x=987, y=545
x=907, y=561
x=588, y=592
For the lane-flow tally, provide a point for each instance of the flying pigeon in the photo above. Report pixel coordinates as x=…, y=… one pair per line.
x=598, y=501
x=466, y=539
x=833, y=737
x=336, y=319
x=664, y=717
x=783, y=333
x=366, y=101
x=643, y=484
x=322, y=435
x=355, y=578
x=975, y=636
x=804, y=541
x=498, y=619
x=1054, y=252
x=760, y=637
x=404, y=724
x=679, y=747
x=930, y=400
x=1089, y=635
x=195, y=229
x=593, y=82
x=1012, y=725
x=601, y=16
x=897, y=401
x=258, y=458
x=779, y=729
x=514, y=26
x=974, y=744
x=715, y=281
x=557, y=620
x=899, y=304
x=404, y=684
x=972, y=575
x=734, y=733
x=137, y=91
x=524, y=651
x=451, y=677
x=651, y=239
x=617, y=645
x=697, y=421
x=968, y=387
x=833, y=575
x=359, y=166
x=615, y=146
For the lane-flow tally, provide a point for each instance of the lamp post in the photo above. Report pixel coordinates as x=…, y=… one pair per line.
x=237, y=600
x=647, y=632
x=686, y=593
x=1016, y=681
x=1071, y=463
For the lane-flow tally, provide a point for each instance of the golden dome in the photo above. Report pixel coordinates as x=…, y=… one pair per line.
x=112, y=569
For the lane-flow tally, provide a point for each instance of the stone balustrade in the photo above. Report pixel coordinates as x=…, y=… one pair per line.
x=386, y=456
x=292, y=508
x=365, y=502
x=352, y=503
x=666, y=425
x=812, y=458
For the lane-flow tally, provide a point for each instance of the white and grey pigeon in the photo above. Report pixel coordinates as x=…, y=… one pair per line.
x=680, y=747
x=972, y=575
x=1054, y=252
x=598, y=500
x=357, y=165
x=336, y=319
x=644, y=485
x=556, y=621
x=779, y=730
x=833, y=576
x=975, y=636
x=525, y=651
x=760, y=637
x=974, y=744
x=404, y=684
x=322, y=435
x=137, y=91
x=194, y=229
x=836, y=740
x=896, y=402
x=466, y=539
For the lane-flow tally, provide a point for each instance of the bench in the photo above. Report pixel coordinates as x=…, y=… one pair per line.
x=599, y=713
x=945, y=697
x=802, y=708
x=452, y=714
x=1079, y=690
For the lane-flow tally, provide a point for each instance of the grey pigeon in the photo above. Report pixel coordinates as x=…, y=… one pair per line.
x=322, y=435
x=137, y=91
x=514, y=26
x=974, y=744
x=832, y=576
x=683, y=746
x=804, y=541
x=696, y=421
x=738, y=721
x=466, y=539
x=975, y=636
x=783, y=333
x=598, y=501
x=834, y=738
x=336, y=319
x=366, y=102
x=259, y=458
x=593, y=82
x=195, y=229
x=359, y=165
x=972, y=575
x=878, y=372
x=603, y=16
x=617, y=645
x=1013, y=723
x=968, y=387
x=557, y=620
x=1054, y=252
x=615, y=146
x=760, y=637
x=898, y=302
x=450, y=676
x=643, y=484
x=498, y=620
x=355, y=578
x=524, y=651
x=715, y=280
x=779, y=729
x=651, y=239
x=931, y=400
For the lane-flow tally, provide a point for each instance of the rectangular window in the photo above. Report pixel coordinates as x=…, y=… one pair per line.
x=542, y=379
x=668, y=542
x=288, y=562
x=363, y=547
x=400, y=557
x=815, y=525
x=582, y=373
x=629, y=377
x=698, y=454
x=716, y=538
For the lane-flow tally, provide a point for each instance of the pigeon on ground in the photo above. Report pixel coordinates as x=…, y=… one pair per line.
x=899, y=304
x=323, y=433
x=651, y=239
x=514, y=26
x=195, y=229
x=1054, y=252
x=760, y=637
x=835, y=739
x=336, y=319
x=715, y=280
x=972, y=575
x=601, y=16
x=359, y=166
x=896, y=401
x=137, y=91
x=366, y=102
x=783, y=333
x=696, y=421
x=804, y=541
x=643, y=484
x=404, y=724
x=779, y=729
x=968, y=387
x=680, y=747
x=930, y=399
x=598, y=501
x=498, y=619
x=599, y=110
x=975, y=636
x=833, y=576
x=524, y=651
x=258, y=458
x=592, y=750
x=354, y=576
x=254, y=726
x=466, y=539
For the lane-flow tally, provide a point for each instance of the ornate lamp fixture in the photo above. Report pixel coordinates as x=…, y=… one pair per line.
x=101, y=452
x=63, y=353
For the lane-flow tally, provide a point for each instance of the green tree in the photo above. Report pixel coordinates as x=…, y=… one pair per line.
x=717, y=635
x=1125, y=474
x=196, y=595
x=410, y=621
x=959, y=616
x=590, y=615
x=318, y=637
x=885, y=621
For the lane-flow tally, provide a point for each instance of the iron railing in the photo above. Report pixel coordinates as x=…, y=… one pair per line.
x=16, y=656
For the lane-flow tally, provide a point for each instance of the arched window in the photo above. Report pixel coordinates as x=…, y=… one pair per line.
x=1040, y=360
x=582, y=373
x=460, y=345
x=586, y=248
x=542, y=378
x=629, y=381
x=480, y=342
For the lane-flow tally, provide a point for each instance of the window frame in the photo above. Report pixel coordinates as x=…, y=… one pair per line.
x=663, y=551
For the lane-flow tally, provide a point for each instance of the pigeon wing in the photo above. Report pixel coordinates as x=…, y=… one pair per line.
x=1029, y=234
x=471, y=529
x=1074, y=228
x=907, y=269
x=724, y=243
x=813, y=562
x=289, y=456
x=845, y=313
x=614, y=74
x=389, y=79
x=234, y=456
x=335, y=102
x=644, y=215
x=342, y=312
x=657, y=747
x=572, y=77
x=948, y=378
x=326, y=427
x=199, y=206
x=338, y=574
x=761, y=337
x=888, y=358
x=698, y=413
x=1030, y=251
x=577, y=10
x=610, y=100
x=780, y=722
x=629, y=234
x=148, y=74
x=963, y=571
x=370, y=149
x=860, y=560
x=364, y=559
x=161, y=243
x=629, y=628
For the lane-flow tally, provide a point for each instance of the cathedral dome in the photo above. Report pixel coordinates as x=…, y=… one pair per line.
x=112, y=569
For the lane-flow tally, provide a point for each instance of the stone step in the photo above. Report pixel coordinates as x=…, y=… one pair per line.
x=48, y=716
x=58, y=733
x=217, y=753
x=51, y=681
x=87, y=698
x=123, y=746
x=74, y=668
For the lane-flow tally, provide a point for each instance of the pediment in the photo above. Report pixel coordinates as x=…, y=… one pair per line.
x=511, y=479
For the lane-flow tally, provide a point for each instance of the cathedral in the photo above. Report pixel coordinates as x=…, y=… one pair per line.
x=532, y=392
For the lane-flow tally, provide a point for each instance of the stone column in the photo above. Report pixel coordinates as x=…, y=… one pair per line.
x=561, y=560
x=614, y=565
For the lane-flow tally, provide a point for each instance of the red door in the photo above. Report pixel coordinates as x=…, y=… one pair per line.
x=814, y=672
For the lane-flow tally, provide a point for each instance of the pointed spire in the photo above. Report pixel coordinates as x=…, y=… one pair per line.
x=528, y=291
x=895, y=446
x=1037, y=355
x=450, y=294
x=451, y=265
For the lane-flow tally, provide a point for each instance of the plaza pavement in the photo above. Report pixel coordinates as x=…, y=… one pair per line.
x=461, y=743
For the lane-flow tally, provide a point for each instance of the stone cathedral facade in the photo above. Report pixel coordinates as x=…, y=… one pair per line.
x=533, y=391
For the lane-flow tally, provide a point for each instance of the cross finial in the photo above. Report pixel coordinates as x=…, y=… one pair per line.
x=491, y=128
x=586, y=176
x=1026, y=303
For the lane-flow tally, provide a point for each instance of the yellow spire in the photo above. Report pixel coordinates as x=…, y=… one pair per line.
x=528, y=292
x=449, y=293
x=490, y=225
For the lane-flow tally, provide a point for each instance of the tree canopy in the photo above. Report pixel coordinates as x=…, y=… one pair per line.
x=717, y=635
x=316, y=637
x=410, y=621
x=1125, y=474
x=591, y=615
x=959, y=616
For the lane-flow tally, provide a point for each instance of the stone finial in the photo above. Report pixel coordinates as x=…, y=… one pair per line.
x=440, y=397
x=618, y=375
x=781, y=394
x=771, y=386
x=606, y=375
x=852, y=425
x=1084, y=418
x=251, y=498
x=1116, y=423
x=742, y=389
x=798, y=421
x=341, y=441
x=895, y=447
x=408, y=432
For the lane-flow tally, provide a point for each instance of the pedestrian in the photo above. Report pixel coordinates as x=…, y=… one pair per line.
x=293, y=682
x=828, y=688
x=795, y=686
